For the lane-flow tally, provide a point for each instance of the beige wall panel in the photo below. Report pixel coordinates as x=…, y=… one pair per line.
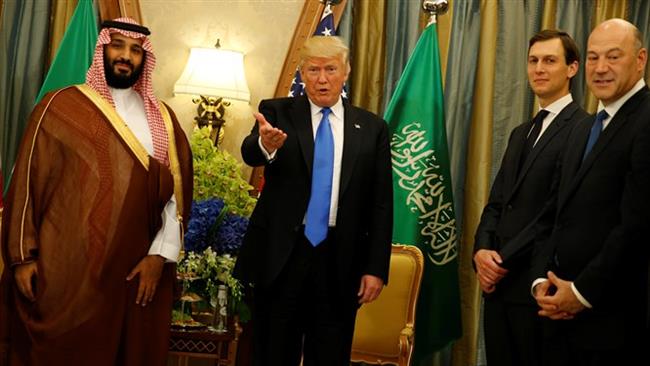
x=261, y=29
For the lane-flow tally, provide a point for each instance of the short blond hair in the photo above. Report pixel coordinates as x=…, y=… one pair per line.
x=324, y=46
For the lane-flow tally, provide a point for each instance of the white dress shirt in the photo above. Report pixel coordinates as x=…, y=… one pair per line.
x=553, y=110
x=130, y=106
x=336, y=123
x=612, y=108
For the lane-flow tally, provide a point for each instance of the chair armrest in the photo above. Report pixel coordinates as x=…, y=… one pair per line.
x=407, y=331
x=406, y=344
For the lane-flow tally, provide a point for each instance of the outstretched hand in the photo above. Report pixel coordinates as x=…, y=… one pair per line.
x=272, y=138
x=149, y=269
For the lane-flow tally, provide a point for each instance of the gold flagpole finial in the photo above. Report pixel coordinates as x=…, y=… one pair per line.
x=435, y=8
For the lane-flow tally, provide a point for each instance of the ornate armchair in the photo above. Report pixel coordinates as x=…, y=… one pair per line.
x=384, y=329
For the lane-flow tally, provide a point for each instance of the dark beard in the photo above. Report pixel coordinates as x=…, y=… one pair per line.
x=118, y=80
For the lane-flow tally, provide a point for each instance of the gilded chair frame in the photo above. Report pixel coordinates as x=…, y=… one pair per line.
x=407, y=334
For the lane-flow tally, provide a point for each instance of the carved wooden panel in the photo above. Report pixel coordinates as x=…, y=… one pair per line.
x=111, y=9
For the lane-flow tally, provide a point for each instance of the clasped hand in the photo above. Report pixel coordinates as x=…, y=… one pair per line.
x=488, y=269
x=556, y=299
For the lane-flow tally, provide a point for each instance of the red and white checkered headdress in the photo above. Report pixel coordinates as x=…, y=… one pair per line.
x=96, y=79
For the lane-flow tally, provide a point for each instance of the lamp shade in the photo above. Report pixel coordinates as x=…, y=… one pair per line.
x=214, y=72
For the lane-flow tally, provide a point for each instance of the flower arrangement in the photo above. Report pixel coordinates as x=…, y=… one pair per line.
x=220, y=209
x=213, y=237
x=217, y=174
x=210, y=270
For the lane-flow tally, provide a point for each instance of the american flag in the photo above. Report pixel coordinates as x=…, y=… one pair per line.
x=325, y=28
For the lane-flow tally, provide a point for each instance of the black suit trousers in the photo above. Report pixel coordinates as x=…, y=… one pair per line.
x=561, y=348
x=513, y=333
x=303, y=313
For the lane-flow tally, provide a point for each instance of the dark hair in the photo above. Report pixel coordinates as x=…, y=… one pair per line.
x=571, y=53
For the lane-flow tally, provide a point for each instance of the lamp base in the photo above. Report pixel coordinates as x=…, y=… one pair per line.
x=210, y=113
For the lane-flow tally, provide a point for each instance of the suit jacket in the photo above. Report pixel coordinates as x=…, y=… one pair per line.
x=517, y=197
x=365, y=206
x=602, y=225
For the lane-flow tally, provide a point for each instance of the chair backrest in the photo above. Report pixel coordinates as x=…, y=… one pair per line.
x=384, y=330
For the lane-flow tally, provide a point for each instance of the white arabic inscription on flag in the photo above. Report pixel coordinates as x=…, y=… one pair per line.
x=414, y=163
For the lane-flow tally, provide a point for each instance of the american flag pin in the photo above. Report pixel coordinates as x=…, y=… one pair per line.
x=356, y=125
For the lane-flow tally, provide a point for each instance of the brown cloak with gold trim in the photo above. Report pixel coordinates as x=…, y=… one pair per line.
x=85, y=202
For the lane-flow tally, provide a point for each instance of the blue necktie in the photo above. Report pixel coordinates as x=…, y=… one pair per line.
x=596, y=128
x=318, y=210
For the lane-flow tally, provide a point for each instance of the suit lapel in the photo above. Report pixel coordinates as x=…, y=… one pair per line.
x=576, y=164
x=573, y=155
x=301, y=121
x=551, y=131
x=518, y=143
x=352, y=130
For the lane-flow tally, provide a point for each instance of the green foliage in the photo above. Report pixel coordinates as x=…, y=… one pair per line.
x=204, y=272
x=218, y=174
x=208, y=270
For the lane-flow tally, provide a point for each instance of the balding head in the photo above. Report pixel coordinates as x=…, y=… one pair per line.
x=615, y=59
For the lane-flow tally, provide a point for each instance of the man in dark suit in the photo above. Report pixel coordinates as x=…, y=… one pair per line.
x=593, y=281
x=318, y=242
x=512, y=329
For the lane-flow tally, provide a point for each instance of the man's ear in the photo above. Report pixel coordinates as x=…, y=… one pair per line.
x=573, y=69
x=347, y=70
x=642, y=58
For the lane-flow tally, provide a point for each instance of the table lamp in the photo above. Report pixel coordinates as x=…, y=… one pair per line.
x=213, y=74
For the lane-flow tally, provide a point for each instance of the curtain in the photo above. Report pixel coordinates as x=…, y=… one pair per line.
x=479, y=152
x=23, y=49
x=344, y=29
x=574, y=17
x=402, y=32
x=639, y=15
x=462, y=67
x=459, y=90
x=62, y=11
x=518, y=21
x=367, y=77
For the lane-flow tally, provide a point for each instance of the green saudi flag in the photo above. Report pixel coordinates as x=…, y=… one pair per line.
x=75, y=53
x=424, y=211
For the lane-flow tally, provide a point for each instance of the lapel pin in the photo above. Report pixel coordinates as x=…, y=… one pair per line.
x=356, y=125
